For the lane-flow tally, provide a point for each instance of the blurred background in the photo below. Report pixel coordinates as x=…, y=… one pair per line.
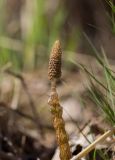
x=28, y=29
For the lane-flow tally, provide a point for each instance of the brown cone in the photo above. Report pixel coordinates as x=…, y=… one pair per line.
x=54, y=70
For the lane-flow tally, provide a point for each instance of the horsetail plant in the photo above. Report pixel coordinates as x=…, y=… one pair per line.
x=54, y=73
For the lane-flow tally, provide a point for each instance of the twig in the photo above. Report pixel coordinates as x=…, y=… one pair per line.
x=93, y=145
x=7, y=108
x=16, y=94
x=32, y=105
x=6, y=67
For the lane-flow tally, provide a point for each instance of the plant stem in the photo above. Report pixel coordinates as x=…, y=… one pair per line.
x=59, y=125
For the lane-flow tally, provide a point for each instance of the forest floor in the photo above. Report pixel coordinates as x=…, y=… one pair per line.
x=25, y=119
